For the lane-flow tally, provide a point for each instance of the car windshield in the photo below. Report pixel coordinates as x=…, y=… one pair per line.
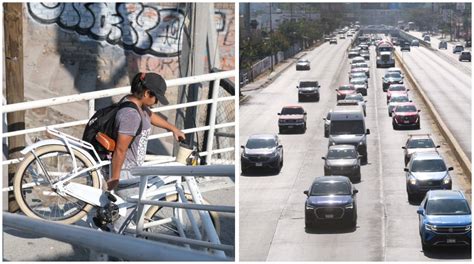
x=405, y=108
x=303, y=61
x=258, y=143
x=396, y=88
x=434, y=165
x=399, y=99
x=421, y=143
x=342, y=154
x=358, y=81
x=359, y=65
x=346, y=88
x=308, y=84
x=353, y=127
x=330, y=188
x=292, y=111
x=393, y=75
x=447, y=207
x=357, y=97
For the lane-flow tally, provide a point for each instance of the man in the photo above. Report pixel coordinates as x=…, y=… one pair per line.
x=130, y=150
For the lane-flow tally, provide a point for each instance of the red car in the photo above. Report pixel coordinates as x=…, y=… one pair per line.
x=344, y=90
x=405, y=115
x=396, y=90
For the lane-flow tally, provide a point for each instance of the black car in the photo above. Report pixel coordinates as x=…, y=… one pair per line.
x=343, y=160
x=405, y=46
x=465, y=55
x=331, y=199
x=308, y=90
x=262, y=151
x=333, y=41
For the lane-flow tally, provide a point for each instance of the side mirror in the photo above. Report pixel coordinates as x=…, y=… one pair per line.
x=419, y=110
x=411, y=101
x=365, y=101
x=279, y=114
x=405, y=169
x=438, y=146
x=450, y=168
x=408, y=90
x=306, y=192
x=297, y=87
x=367, y=132
x=359, y=156
x=419, y=211
x=280, y=146
x=305, y=113
x=355, y=191
x=324, y=118
x=324, y=158
x=242, y=147
x=404, y=147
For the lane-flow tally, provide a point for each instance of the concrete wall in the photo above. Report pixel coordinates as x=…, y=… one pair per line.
x=73, y=48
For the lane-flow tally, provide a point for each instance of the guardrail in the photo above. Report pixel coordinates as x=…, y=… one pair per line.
x=124, y=247
x=453, y=143
x=91, y=96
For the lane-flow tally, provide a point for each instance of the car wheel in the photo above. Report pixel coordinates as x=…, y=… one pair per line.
x=326, y=134
x=394, y=126
x=365, y=158
x=389, y=114
x=245, y=171
x=358, y=176
x=280, y=131
x=353, y=223
x=418, y=125
x=299, y=99
x=308, y=224
x=425, y=246
x=411, y=198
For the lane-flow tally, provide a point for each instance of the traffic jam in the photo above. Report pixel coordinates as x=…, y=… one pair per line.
x=354, y=157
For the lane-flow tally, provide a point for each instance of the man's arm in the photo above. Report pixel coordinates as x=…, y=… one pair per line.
x=156, y=120
x=121, y=147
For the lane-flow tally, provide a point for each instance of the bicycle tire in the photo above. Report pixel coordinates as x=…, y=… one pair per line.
x=152, y=211
x=77, y=210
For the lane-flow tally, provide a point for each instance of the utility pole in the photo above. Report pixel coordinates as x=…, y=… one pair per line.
x=13, y=30
x=271, y=37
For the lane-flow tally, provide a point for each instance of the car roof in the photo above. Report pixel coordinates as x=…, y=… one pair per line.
x=263, y=136
x=445, y=194
x=341, y=147
x=332, y=178
x=307, y=80
x=292, y=106
x=394, y=69
x=430, y=155
x=419, y=136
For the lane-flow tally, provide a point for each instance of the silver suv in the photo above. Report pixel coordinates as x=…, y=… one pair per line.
x=426, y=171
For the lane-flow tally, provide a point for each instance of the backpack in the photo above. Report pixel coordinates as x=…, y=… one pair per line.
x=103, y=122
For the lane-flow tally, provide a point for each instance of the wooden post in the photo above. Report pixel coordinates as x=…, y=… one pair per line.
x=13, y=30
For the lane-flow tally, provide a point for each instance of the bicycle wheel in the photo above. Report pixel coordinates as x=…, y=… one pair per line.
x=157, y=212
x=34, y=194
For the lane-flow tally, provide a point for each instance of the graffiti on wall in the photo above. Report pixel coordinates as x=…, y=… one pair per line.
x=142, y=28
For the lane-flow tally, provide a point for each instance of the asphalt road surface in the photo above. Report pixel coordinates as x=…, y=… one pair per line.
x=272, y=206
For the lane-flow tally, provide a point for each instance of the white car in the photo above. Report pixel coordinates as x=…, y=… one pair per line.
x=362, y=65
x=395, y=69
x=303, y=64
x=357, y=59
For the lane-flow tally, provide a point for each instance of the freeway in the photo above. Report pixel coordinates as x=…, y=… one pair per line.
x=447, y=83
x=272, y=206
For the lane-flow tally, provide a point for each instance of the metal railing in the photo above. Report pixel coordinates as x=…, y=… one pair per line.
x=91, y=96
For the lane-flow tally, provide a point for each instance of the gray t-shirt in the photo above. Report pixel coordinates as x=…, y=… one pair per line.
x=128, y=122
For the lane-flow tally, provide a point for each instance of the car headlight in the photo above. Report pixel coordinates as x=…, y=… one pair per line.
x=349, y=206
x=468, y=228
x=447, y=179
x=412, y=180
x=430, y=227
x=309, y=207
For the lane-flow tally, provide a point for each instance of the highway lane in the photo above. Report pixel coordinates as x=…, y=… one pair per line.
x=272, y=206
x=448, y=88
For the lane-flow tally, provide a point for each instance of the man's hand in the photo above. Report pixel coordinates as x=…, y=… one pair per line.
x=178, y=135
x=111, y=184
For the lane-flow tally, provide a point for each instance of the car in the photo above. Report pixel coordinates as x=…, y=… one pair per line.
x=396, y=89
x=426, y=171
x=364, y=46
x=360, y=75
x=405, y=115
x=342, y=36
x=465, y=55
x=415, y=43
x=365, y=54
x=331, y=199
x=445, y=219
x=333, y=41
x=443, y=44
x=360, y=84
x=458, y=48
x=391, y=78
x=349, y=34
x=303, y=64
x=357, y=59
x=292, y=118
x=405, y=46
x=418, y=143
x=468, y=43
x=396, y=100
x=347, y=126
x=362, y=65
x=327, y=39
x=424, y=34
x=397, y=70
x=343, y=160
x=427, y=38
x=344, y=90
x=262, y=151
x=360, y=99
x=353, y=54
x=357, y=70
x=308, y=89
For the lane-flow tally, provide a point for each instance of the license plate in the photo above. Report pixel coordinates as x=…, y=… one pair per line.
x=329, y=216
x=451, y=241
x=290, y=126
x=406, y=121
x=258, y=164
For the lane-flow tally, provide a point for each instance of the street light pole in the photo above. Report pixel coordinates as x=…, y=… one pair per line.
x=271, y=37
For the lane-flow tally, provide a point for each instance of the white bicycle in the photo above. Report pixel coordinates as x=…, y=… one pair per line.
x=60, y=180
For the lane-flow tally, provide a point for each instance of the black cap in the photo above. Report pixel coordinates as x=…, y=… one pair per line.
x=155, y=83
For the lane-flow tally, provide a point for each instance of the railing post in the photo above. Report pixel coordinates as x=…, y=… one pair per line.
x=212, y=121
x=91, y=107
